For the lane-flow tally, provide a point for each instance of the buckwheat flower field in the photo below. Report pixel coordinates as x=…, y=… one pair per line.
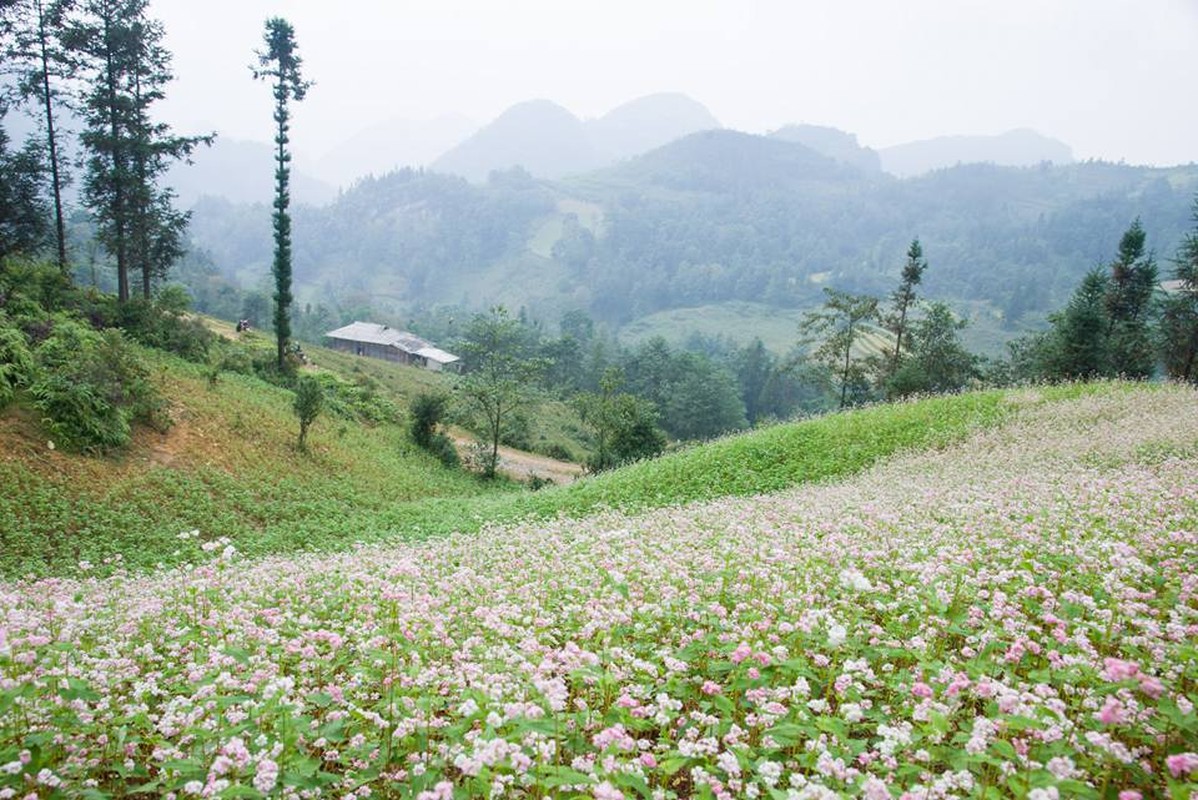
x=1013, y=616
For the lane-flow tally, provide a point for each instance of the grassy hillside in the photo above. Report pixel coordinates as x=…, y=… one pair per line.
x=229, y=469
x=1005, y=616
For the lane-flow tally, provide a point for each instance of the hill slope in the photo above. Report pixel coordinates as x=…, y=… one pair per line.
x=948, y=613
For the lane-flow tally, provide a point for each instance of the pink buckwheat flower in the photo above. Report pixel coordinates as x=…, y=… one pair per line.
x=921, y=689
x=1182, y=764
x=1116, y=669
x=1112, y=713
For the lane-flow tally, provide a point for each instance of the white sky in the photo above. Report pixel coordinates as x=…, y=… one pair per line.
x=1114, y=79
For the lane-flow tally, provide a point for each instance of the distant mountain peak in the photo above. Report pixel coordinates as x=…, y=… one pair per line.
x=833, y=143
x=1020, y=147
x=551, y=142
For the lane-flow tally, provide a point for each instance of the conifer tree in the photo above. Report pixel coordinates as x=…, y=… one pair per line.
x=32, y=54
x=1079, y=346
x=280, y=63
x=22, y=213
x=902, y=300
x=126, y=70
x=1132, y=280
x=1179, y=317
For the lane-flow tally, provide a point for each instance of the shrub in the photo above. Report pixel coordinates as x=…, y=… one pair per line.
x=16, y=362
x=309, y=400
x=443, y=448
x=426, y=413
x=164, y=324
x=92, y=386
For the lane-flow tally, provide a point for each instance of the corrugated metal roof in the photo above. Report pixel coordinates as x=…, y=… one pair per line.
x=437, y=354
x=374, y=333
x=368, y=333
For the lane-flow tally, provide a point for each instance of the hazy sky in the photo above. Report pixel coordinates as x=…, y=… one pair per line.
x=1115, y=79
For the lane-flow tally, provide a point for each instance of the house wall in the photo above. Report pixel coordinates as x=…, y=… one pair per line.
x=384, y=352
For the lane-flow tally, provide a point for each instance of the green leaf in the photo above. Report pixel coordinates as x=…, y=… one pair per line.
x=1005, y=749
x=635, y=782
x=561, y=776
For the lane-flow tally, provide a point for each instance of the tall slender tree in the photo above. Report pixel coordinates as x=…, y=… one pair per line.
x=902, y=300
x=32, y=53
x=279, y=62
x=127, y=69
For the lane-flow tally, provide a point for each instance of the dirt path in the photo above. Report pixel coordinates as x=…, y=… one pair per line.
x=520, y=465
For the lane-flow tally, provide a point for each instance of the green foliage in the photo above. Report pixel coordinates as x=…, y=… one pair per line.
x=16, y=361
x=832, y=332
x=1178, y=336
x=901, y=301
x=165, y=324
x=91, y=387
x=23, y=214
x=937, y=362
x=309, y=402
x=280, y=62
x=624, y=427
x=426, y=413
x=696, y=397
x=498, y=375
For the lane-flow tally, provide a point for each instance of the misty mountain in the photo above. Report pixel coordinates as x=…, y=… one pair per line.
x=833, y=143
x=730, y=162
x=550, y=142
x=241, y=172
x=387, y=146
x=539, y=135
x=648, y=122
x=1018, y=148
x=715, y=217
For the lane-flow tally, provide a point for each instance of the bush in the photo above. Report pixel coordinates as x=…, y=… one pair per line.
x=443, y=448
x=164, y=324
x=426, y=413
x=16, y=361
x=92, y=386
x=309, y=400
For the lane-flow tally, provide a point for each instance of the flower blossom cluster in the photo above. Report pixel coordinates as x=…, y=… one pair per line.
x=1016, y=615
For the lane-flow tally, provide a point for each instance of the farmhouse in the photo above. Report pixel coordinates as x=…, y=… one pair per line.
x=379, y=341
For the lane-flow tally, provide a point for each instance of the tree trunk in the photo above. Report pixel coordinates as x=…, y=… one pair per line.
x=52, y=141
x=120, y=219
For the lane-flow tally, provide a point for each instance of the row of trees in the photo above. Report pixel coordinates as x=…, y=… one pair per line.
x=101, y=62
x=1119, y=322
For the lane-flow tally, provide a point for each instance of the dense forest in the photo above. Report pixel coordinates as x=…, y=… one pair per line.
x=715, y=217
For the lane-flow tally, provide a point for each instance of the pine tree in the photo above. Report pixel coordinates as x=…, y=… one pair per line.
x=1132, y=280
x=902, y=300
x=126, y=70
x=1179, y=317
x=32, y=53
x=280, y=62
x=1079, y=347
x=23, y=215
